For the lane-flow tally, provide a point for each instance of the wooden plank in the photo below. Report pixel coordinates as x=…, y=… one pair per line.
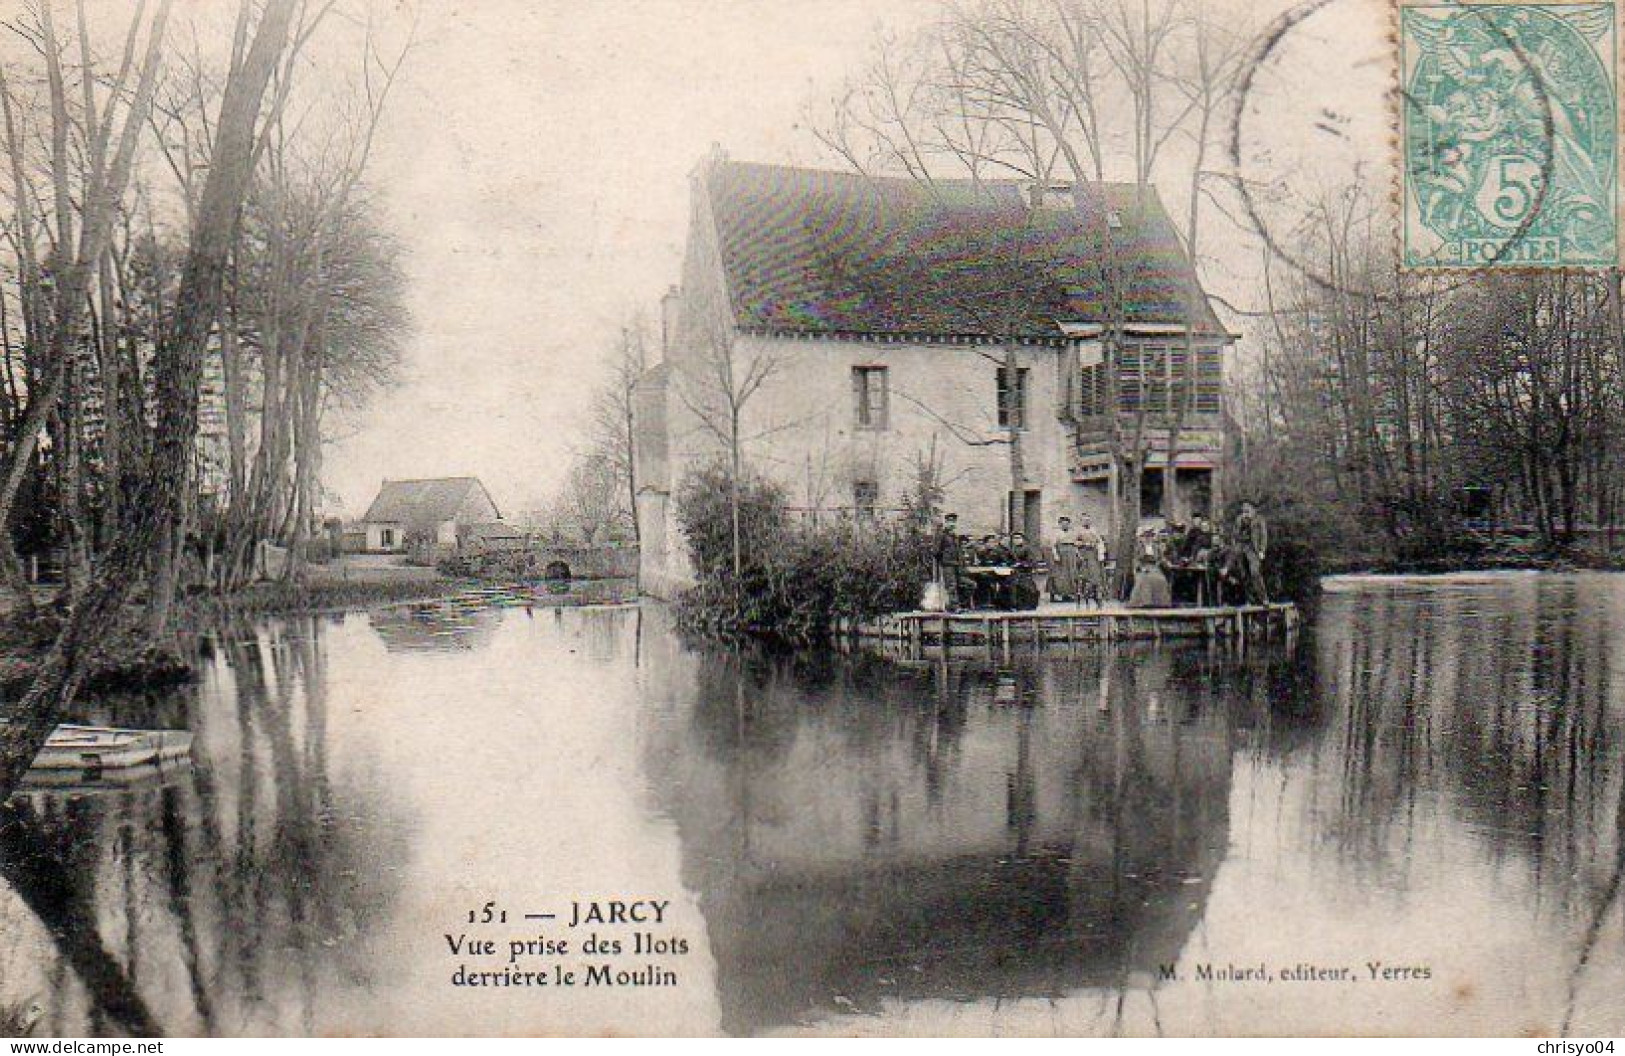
x=1072, y=625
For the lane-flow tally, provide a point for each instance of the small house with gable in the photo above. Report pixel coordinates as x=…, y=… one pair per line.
x=428, y=515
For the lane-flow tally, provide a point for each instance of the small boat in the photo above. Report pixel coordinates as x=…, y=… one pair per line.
x=105, y=748
x=76, y=783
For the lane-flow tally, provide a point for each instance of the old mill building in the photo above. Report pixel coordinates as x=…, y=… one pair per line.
x=867, y=322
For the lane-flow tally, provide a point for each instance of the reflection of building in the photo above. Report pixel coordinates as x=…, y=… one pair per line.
x=433, y=513
x=965, y=832
x=435, y=626
x=869, y=318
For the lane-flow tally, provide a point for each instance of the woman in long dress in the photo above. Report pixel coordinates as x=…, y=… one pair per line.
x=1065, y=564
x=1091, y=571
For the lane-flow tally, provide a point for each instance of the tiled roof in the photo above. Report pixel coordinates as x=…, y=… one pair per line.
x=807, y=251
x=494, y=530
x=421, y=502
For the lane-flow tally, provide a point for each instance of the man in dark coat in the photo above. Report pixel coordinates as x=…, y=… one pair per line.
x=950, y=558
x=1253, y=540
x=1021, y=588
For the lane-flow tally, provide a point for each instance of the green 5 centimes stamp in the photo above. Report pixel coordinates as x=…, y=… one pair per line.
x=1509, y=135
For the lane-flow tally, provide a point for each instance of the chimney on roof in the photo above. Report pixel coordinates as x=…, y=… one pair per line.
x=670, y=302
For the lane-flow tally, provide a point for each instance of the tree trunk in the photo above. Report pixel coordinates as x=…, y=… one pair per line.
x=165, y=573
x=15, y=578
x=733, y=493
x=112, y=401
x=308, y=457
x=231, y=364
x=632, y=474
x=1129, y=472
x=177, y=369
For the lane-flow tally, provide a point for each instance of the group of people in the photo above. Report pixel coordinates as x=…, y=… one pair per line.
x=1199, y=563
x=1178, y=563
x=995, y=572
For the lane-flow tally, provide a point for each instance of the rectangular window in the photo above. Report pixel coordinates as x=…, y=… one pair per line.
x=1209, y=379
x=1092, y=396
x=865, y=497
x=871, y=398
x=1160, y=377
x=1012, y=399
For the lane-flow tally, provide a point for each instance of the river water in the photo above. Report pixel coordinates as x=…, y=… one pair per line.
x=1409, y=820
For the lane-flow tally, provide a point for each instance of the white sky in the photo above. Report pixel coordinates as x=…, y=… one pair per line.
x=535, y=161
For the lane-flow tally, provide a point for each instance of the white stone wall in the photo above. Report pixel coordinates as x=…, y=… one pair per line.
x=943, y=405
x=375, y=538
x=800, y=429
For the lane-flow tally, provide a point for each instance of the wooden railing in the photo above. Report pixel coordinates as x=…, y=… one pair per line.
x=1198, y=430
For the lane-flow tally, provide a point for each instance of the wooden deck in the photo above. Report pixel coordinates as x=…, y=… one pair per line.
x=1081, y=623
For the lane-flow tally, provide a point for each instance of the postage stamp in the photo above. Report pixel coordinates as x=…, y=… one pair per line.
x=1509, y=135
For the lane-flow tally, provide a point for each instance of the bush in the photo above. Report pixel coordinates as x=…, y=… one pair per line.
x=794, y=582
x=704, y=513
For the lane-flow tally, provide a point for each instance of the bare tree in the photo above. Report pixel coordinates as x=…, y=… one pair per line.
x=614, y=425
x=312, y=315
x=1036, y=89
x=928, y=112
x=717, y=379
x=85, y=202
x=1205, y=76
x=592, y=502
x=177, y=371
x=1393, y=396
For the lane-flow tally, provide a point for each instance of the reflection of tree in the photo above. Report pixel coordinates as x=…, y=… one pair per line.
x=955, y=829
x=1497, y=699
x=39, y=860
x=250, y=877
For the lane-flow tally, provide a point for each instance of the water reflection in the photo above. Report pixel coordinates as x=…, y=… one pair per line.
x=215, y=898
x=435, y=627
x=1024, y=843
x=1481, y=725
x=863, y=832
x=982, y=843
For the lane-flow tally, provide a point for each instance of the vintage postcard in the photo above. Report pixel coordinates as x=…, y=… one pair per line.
x=1093, y=518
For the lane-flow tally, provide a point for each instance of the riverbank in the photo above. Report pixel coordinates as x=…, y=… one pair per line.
x=199, y=611
x=1580, y=561
x=135, y=663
